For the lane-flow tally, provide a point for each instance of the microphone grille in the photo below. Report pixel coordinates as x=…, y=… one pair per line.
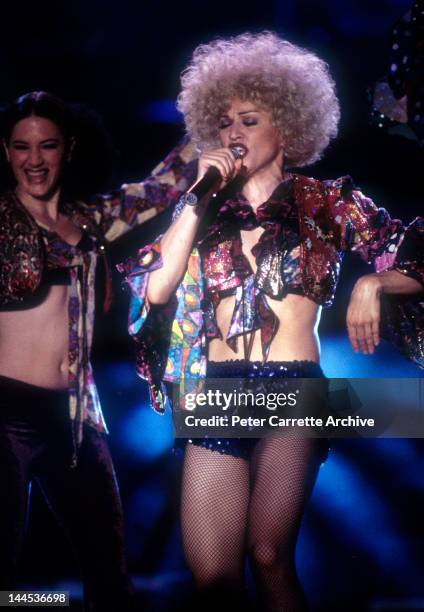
x=238, y=151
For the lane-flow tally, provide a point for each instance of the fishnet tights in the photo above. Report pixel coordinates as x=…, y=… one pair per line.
x=231, y=506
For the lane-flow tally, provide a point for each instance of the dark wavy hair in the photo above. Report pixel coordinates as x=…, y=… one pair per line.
x=92, y=156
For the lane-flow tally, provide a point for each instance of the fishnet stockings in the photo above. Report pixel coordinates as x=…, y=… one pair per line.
x=215, y=499
x=230, y=507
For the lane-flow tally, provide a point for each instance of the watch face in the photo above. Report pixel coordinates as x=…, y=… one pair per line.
x=190, y=199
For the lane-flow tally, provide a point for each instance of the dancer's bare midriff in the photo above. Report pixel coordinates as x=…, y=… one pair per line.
x=34, y=342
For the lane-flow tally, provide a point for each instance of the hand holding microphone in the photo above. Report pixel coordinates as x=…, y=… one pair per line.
x=216, y=168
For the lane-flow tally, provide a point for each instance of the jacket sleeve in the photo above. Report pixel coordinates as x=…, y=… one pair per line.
x=169, y=338
x=360, y=226
x=119, y=211
x=403, y=316
x=148, y=325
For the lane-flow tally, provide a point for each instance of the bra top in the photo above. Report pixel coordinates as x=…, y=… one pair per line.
x=55, y=244
x=54, y=273
x=60, y=257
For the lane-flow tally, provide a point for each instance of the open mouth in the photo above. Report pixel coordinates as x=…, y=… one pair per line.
x=36, y=176
x=238, y=150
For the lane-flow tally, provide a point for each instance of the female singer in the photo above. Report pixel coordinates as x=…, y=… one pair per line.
x=235, y=287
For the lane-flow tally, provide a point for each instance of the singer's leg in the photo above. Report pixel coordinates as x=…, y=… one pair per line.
x=215, y=497
x=284, y=473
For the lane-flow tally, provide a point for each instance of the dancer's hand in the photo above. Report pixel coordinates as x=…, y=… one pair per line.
x=363, y=314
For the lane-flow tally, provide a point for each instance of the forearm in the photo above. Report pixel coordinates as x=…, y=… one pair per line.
x=177, y=243
x=364, y=311
x=394, y=282
x=176, y=246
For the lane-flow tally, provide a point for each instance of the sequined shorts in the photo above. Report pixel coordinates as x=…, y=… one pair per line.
x=240, y=369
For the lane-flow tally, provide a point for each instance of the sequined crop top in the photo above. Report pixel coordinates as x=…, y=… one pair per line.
x=227, y=271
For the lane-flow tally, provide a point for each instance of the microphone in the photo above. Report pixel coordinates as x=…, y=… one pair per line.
x=238, y=151
x=213, y=175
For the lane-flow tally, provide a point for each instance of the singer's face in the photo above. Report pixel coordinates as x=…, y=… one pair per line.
x=251, y=126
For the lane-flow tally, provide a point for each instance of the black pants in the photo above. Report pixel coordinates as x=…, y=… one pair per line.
x=35, y=443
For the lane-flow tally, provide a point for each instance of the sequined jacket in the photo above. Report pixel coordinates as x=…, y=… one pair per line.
x=27, y=251
x=331, y=217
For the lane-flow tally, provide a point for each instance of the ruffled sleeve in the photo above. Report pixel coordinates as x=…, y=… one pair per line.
x=148, y=325
x=170, y=338
x=403, y=316
x=360, y=226
x=410, y=256
x=119, y=211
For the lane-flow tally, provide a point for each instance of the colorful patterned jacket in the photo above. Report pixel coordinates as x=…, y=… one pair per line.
x=331, y=217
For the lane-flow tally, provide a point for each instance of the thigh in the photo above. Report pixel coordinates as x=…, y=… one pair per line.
x=215, y=498
x=86, y=500
x=284, y=471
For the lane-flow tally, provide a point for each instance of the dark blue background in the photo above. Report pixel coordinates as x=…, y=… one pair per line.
x=360, y=543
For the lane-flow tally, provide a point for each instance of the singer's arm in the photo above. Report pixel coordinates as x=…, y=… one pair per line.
x=177, y=242
x=176, y=246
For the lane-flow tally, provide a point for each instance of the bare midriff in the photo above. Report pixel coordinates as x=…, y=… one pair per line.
x=34, y=342
x=296, y=337
x=297, y=333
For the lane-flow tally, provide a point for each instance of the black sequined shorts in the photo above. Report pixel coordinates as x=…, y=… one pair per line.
x=240, y=369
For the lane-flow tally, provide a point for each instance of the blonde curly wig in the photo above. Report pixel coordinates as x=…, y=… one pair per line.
x=293, y=84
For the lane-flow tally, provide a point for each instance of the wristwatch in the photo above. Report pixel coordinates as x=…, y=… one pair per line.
x=189, y=198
